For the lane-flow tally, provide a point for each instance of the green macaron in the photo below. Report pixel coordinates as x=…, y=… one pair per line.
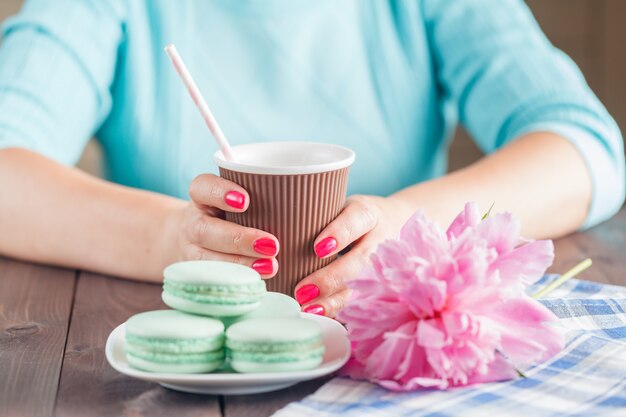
x=273, y=305
x=172, y=341
x=212, y=288
x=274, y=345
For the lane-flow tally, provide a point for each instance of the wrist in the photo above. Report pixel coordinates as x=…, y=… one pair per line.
x=169, y=225
x=402, y=207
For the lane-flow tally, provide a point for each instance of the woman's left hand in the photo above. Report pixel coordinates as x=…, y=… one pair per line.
x=364, y=222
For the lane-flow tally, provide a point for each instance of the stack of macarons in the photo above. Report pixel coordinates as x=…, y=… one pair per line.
x=223, y=314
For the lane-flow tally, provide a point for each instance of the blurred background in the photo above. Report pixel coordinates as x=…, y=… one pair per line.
x=592, y=32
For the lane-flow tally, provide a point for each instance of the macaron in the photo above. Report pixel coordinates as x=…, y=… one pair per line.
x=273, y=305
x=212, y=288
x=172, y=341
x=274, y=345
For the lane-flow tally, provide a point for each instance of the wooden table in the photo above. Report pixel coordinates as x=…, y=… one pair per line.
x=54, y=323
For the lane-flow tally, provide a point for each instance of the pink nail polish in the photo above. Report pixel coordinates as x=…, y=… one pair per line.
x=325, y=247
x=235, y=199
x=314, y=309
x=265, y=246
x=263, y=266
x=307, y=293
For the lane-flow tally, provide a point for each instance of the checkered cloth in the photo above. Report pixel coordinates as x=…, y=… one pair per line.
x=588, y=378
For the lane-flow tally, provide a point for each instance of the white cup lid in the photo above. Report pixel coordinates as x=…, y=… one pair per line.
x=286, y=158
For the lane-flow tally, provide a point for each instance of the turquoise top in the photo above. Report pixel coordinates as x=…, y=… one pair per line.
x=389, y=79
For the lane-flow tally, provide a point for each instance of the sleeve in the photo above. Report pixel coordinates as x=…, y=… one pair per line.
x=57, y=64
x=506, y=79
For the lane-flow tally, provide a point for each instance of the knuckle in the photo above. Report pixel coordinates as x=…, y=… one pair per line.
x=360, y=201
x=237, y=238
x=334, y=282
x=193, y=185
x=196, y=185
x=358, y=198
x=199, y=230
x=214, y=191
x=369, y=215
x=346, y=229
x=204, y=187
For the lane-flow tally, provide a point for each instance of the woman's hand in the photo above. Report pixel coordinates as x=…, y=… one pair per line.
x=364, y=222
x=199, y=230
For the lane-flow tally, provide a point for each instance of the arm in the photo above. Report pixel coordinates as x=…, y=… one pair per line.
x=56, y=67
x=555, y=159
x=540, y=177
x=58, y=215
x=507, y=81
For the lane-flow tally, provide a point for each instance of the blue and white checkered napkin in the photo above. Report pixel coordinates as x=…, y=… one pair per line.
x=588, y=378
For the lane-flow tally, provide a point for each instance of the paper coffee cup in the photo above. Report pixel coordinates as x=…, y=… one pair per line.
x=296, y=189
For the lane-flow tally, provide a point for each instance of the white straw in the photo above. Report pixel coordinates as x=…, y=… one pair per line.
x=197, y=98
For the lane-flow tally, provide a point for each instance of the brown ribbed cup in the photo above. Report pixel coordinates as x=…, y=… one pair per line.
x=295, y=209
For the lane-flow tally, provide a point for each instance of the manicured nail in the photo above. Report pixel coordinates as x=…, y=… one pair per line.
x=314, y=309
x=307, y=293
x=235, y=199
x=263, y=266
x=265, y=246
x=325, y=247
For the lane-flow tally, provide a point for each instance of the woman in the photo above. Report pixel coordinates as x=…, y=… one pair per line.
x=387, y=79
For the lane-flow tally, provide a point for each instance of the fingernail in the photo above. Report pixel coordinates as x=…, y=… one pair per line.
x=265, y=246
x=307, y=293
x=263, y=266
x=235, y=199
x=325, y=247
x=314, y=309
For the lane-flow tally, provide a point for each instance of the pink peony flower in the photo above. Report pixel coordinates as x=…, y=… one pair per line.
x=439, y=309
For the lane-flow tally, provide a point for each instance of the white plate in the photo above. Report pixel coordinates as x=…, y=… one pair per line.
x=336, y=355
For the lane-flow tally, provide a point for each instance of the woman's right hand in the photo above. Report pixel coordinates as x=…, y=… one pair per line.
x=199, y=230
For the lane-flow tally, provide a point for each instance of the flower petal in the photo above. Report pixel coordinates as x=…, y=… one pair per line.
x=430, y=334
x=469, y=217
x=414, y=384
x=424, y=238
x=525, y=264
x=498, y=370
x=384, y=360
x=527, y=331
x=414, y=363
x=437, y=309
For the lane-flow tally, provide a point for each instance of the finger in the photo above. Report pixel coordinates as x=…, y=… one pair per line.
x=331, y=279
x=266, y=267
x=329, y=306
x=356, y=219
x=223, y=236
x=208, y=190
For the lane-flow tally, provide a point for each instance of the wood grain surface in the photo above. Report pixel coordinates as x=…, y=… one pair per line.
x=89, y=386
x=35, y=306
x=604, y=244
x=47, y=311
